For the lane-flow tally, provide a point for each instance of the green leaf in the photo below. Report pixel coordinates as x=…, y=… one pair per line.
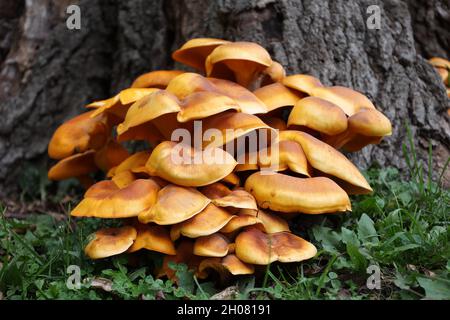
x=329, y=239
x=358, y=260
x=366, y=230
x=349, y=237
x=437, y=289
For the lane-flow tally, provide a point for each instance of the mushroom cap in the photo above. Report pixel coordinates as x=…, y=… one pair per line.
x=231, y=126
x=149, y=108
x=132, y=95
x=210, y=220
x=256, y=247
x=325, y=158
x=239, y=61
x=284, y=193
x=111, y=155
x=194, y=52
x=214, y=245
x=123, y=179
x=134, y=161
x=370, y=122
x=230, y=264
x=186, y=166
x=155, y=79
x=106, y=200
x=276, y=95
x=106, y=103
x=239, y=222
x=288, y=155
x=74, y=166
x=443, y=73
x=174, y=204
x=237, y=198
x=247, y=100
x=350, y=101
x=77, y=135
x=188, y=83
x=154, y=238
x=318, y=114
x=274, y=73
x=215, y=190
x=111, y=241
x=112, y=107
x=271, y=222
x=440, y=63
x=199, y=105
x=302, y=82
x=241, y=50
x=368, y=126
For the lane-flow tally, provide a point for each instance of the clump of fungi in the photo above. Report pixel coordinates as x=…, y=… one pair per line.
x=442, y=66
x=217, y=210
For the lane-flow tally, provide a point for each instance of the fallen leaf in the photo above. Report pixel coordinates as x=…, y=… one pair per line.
x=102, y=283
x=227, y=294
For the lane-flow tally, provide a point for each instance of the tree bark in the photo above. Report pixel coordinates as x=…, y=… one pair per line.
x=48, y=73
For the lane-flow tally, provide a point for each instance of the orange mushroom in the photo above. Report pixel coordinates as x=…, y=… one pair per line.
x=256, y=247
x=350, y=101
x=110, y=242
x=318, y=114
x=199, y=105
x=149, y=108
x=284, y=193
x=274, y=73
x=239, y=61
x=174, y=204
x=230, y=126
x=276, y=95
x=78, y=165
x=194, y=52
x=79, y=135
x=368, y=126
x=106, y=200
x=135, y=160
x=153, y=238
x=186, y=166
x=208, y=221
x=302, y=82
x=155, y=79
x=283, y=156
x=214, y=245
x=325, y=158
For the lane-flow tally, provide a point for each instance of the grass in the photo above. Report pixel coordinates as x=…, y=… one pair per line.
x=401, y=233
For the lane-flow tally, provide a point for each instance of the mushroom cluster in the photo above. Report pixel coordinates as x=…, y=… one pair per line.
x=233, y=151
x=442, y=66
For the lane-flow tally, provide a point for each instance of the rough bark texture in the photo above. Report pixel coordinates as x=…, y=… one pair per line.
x=47, y=72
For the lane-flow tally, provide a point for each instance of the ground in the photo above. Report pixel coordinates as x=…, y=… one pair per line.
x=401, y=230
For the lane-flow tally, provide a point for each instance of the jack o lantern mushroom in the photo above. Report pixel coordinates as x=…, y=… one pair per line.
x=285, y=193
x=239, y=61
x=79, y=135
x=106, y=200
x=256, y=247
x=186, y=166
x=111, y=241
x=182, y=197
x=194, y=52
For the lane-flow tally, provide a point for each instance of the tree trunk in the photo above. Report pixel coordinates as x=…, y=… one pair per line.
x=48, y=72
